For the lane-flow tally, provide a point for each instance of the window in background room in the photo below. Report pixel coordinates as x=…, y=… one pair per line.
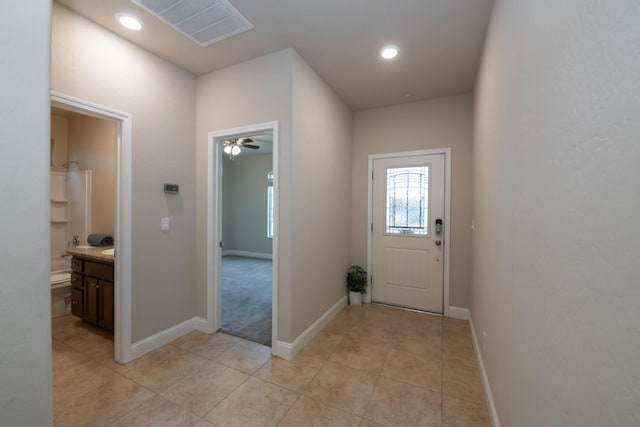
x=270, y=204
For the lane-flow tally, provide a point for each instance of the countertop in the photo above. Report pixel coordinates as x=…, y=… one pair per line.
x=93, y=253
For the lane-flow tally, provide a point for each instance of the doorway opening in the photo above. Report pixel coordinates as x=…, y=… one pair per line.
x=110, y=215
x=243, y=232
x=409, y=217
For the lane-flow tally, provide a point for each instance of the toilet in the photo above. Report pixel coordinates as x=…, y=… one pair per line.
x=60, y=293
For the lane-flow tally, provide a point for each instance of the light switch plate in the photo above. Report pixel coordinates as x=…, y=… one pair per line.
x=164, y=224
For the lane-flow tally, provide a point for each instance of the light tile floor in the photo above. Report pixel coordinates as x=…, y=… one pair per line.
x=371, y=366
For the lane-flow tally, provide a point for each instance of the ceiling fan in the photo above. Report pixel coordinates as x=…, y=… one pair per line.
x=234, y=146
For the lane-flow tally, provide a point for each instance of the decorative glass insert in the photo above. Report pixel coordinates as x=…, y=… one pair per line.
x=407, y=200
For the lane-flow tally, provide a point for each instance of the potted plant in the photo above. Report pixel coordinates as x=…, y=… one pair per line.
x=356, y=284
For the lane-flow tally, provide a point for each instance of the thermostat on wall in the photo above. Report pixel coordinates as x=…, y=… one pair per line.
x=171, y=188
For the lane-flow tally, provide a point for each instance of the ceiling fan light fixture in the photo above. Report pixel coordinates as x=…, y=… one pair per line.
x=389, y=52
x=235, y=150
x=227, y=149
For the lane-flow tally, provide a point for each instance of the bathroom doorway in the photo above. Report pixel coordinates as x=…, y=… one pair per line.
x=94, y=133
x=83, y=187
x=242, y=224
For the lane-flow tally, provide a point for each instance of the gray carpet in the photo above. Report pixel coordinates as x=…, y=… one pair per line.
x=246, y=298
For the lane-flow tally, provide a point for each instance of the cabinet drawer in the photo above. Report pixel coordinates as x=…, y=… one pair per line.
x=76, y=265
x=76, y=281
x=98, y=270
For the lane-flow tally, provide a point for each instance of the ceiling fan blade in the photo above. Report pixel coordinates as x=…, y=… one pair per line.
x=245, y=140
x=254, y=147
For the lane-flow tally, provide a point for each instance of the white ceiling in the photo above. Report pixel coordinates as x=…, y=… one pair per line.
x=440, y=42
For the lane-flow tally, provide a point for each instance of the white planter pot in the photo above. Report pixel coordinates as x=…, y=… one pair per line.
x=355, y=298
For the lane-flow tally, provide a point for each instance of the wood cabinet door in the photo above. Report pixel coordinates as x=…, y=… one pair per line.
x=106, y=304
x=90, y=299
x=77, y=303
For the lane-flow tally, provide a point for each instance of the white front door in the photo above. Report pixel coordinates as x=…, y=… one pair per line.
x=407, y=251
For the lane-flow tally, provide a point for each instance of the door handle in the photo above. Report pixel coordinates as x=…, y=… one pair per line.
x=438, y=242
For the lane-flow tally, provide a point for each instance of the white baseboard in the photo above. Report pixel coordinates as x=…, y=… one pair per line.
x=493, y=413
x=144, y=346
x=458, y=312
x=202, y=325
x=247, y=254
x=288, y=351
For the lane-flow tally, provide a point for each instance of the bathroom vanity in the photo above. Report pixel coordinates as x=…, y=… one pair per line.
x=92, y=279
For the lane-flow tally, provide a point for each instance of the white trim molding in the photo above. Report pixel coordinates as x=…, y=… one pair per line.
x=157, y=340
x=214, y=222
x=288, y=351
x=493, y=413
x=258, y=255
x=122, y=290
x=458, y=312
x=447, y=215
x=201, y=325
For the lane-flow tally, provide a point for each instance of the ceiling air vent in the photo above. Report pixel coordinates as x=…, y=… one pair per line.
x=203, y=21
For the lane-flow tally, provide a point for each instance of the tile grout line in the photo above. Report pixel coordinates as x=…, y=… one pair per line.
x=325, y=362
x=221, y=364
x=377, y=378
x=289, y=410
x=225, y=398
x=249, y=375
x=142, y=403
x=159, y=394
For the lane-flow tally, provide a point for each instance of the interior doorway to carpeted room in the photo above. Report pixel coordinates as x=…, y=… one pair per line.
x=246, y=298
x=247, y=235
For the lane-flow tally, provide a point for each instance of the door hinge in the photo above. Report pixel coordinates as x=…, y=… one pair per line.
x=372, y=279
x=221, y=244
x=371, y=174
x=372, y=227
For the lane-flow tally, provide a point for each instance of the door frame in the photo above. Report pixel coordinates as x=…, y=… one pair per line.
x=447, y=215
x=122, y=286
x=214, y=222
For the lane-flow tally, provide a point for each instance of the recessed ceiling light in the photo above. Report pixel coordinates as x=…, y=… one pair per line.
x=389, y=52
x=130, y=21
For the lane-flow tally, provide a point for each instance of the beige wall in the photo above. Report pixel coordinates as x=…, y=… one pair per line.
x=252, y=92
x=59, y=133
x=556, y=202
x=439, y=123
x=25, y=310
x=321, y=162
x=314, y=129
x=95, y=65
x=93, y=142
x=244, y=217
